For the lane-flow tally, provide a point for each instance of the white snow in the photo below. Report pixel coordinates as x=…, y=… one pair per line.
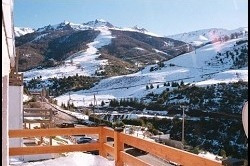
x=209, y=156
x=136, y=30
x=39, y=37
x=203, y=36
x=138, y=48
x=190, y=67
x=229, y=76
x=158, y=51
x=26, y=98
x=20, y=31
x=74, y=159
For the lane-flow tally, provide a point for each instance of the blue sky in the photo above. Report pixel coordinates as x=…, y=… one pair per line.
x=164, y=17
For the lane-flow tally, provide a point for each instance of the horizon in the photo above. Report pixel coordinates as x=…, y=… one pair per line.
x=128, y=26
x=160, y=17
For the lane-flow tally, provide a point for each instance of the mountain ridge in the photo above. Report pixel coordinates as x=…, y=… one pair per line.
x=51, y=45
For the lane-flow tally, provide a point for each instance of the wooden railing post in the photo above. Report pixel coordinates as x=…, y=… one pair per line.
x=118, y=146
x=102, y=141
x=50, y=125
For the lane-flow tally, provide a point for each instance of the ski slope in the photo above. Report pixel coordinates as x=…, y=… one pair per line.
x=191, y=67
x=81, y=63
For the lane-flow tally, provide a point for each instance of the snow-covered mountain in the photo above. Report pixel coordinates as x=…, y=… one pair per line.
x=126, y=48
x=204, y=36
x=99, y=23
x=84, y=26
x=98, y=48
x=92, y=25
x=20, y=31
x=198, y=67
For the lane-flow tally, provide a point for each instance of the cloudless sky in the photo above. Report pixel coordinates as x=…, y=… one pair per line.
x=164, y=17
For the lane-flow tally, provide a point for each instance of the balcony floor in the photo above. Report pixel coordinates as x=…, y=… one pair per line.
x=72, y=159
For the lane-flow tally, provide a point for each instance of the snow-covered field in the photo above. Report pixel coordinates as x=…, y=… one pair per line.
x=191, y=67
x=226, y=77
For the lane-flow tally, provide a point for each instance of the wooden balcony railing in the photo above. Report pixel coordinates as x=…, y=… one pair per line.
x=116, y=150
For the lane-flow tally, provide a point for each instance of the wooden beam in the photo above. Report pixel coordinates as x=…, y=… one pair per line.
x=108, y=149
x=53, y=132
x=118, y=147
x=130, y=160
x=167, y=152
x=35, y=121
x=108, y=132
x=53, y=149
x=36, y=115
x=102, y=140
x=36, y=109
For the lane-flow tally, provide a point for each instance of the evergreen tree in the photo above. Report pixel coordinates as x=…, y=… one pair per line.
x=72, y=105
x=173, y=84
x=182, y=83
x=165, y=84
x=147, y=87
x=62, y=105
x=102, y=104
x=158, y=86
x=151, y=86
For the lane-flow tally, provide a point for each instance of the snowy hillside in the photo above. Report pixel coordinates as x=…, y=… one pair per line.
x=82, y=63
x=87, y=61
x=20, y=31
x=207, y=35
x=195, y=67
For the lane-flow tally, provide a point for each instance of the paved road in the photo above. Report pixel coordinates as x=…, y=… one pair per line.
x=60, y=117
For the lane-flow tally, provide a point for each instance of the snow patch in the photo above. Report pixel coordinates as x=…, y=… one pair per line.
x=74, y=159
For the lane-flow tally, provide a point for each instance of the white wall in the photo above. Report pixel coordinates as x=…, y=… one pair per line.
x=15, y=112
x=5, y=104
x=7, y=7
x=8, y=54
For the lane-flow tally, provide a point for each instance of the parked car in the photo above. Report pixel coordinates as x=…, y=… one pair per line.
x=66, y=125
x=83, y=140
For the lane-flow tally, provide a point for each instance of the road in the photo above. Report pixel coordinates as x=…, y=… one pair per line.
x=62, y=117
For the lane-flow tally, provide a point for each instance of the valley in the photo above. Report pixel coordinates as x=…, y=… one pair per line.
x=134, y=77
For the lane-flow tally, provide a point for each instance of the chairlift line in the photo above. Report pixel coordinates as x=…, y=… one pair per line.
x=157, y=53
